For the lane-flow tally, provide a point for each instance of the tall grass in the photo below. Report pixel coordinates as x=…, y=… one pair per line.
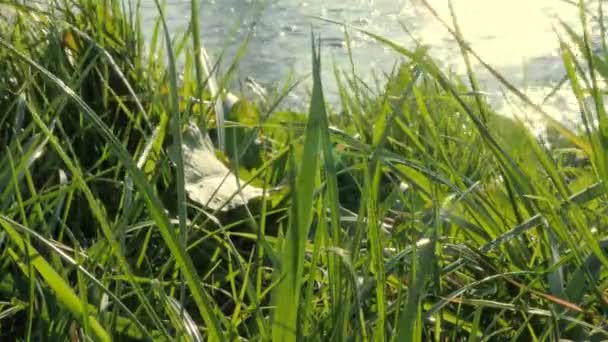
x=415, y=214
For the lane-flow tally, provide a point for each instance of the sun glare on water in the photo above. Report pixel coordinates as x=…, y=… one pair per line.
x=505, y=33
x=519, y=38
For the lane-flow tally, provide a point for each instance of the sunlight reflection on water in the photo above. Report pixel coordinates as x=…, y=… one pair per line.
x=516, y=37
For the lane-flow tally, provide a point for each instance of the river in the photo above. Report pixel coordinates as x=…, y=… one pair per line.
x=516, y=37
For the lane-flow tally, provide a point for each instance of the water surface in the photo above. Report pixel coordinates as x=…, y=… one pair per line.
x=517, y=37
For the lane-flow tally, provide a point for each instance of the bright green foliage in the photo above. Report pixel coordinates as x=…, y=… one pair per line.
x=415, y=213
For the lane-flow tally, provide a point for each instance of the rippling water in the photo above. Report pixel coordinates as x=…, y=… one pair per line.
x=515, y=36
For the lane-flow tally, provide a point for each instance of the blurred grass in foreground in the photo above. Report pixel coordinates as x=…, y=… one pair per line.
x=415, y=214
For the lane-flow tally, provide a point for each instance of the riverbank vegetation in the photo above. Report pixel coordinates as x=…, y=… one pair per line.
x=132, y=207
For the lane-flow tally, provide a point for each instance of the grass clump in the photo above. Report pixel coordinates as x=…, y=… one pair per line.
x=417, y=213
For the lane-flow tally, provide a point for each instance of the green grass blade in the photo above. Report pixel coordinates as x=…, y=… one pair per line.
x=152, y=201
x=287, y=294
x=176, y=125
x=63, y=291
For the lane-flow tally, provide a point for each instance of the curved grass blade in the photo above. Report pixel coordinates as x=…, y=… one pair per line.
x=62, y=290
x=152, y=201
